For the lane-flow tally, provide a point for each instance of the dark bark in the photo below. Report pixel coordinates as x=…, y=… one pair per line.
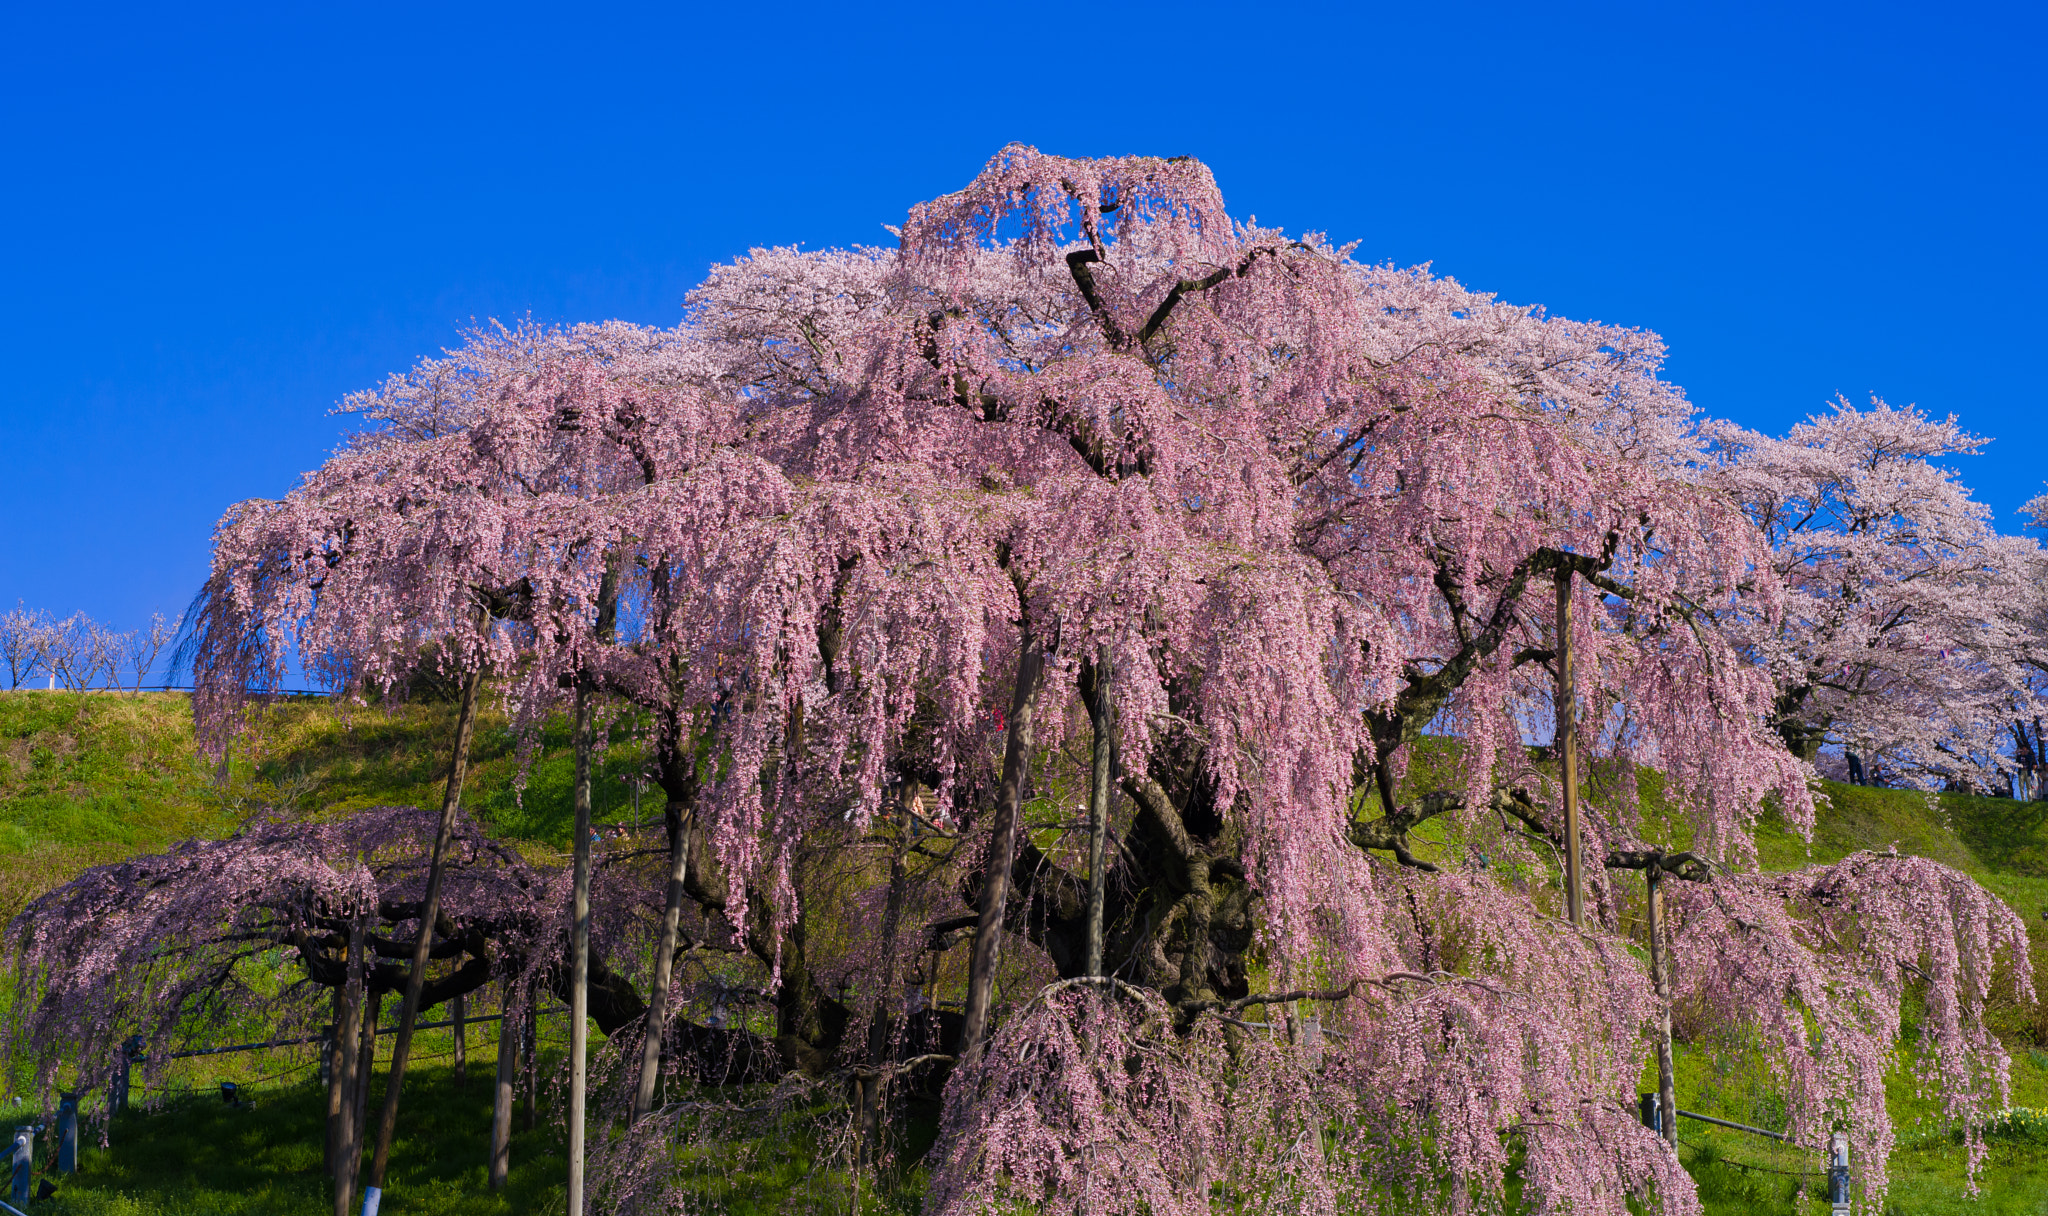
x=1177, y=914
x=873, y=1087
x=1095, y=681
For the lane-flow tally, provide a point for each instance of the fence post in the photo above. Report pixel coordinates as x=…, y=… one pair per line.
x=67, y=1132
x=24, y=1163
x=1838, y=1174
x=458, y=1013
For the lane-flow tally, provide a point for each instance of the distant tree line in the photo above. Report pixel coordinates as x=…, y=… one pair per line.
x=79, y=652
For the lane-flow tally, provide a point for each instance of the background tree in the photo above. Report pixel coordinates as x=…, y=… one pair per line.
x=1901, y=631
x=21, y=630
x=140, y=648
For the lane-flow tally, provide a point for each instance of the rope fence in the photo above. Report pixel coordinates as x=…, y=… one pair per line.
x=542, y=1038
x=322, y=1038
x=1836, y=1174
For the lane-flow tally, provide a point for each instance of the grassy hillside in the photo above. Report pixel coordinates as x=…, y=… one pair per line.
x=88, y=779
x=2002, y=845
x=91, y=778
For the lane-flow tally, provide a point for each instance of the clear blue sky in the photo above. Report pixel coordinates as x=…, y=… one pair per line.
x=219, y=222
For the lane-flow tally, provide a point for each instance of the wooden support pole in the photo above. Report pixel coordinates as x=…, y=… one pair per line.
x=344, y=1096
x=124, y=1074
x=509, y=1028
x=1568, y=752
x=579, y=951
x=1660, y=978
x=67, y=1132
x=664, y=961
x=370, y=1008
x=331, y=1051
x=430, y=906
x=873, y=1090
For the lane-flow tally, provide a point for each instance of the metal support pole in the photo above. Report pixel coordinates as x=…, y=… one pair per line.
x=1838, y=1174
x=24, y=1163
x=1568, y=752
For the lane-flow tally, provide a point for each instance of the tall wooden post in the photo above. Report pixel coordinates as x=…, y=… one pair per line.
x=873, y=1090
x=331, y=1052
x=343, y=1102
x=664, y=959
x=123, y=1080
x=371, y=1007
x=579, y=951
x=67, y=1132
x=1568, y=751
x=509, y=1028
x=430, y=905
x=1660, y=978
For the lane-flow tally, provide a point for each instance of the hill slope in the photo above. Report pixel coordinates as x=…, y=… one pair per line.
x=91, y=778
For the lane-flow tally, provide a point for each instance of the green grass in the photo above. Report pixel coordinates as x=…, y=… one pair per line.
x=195, y=1154
x=2002, y=845
x=92, y=778
x=88, y=779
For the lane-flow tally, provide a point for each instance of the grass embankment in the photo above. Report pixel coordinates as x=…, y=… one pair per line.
x=2000, y=843
x=92, y=779
x=89, y=779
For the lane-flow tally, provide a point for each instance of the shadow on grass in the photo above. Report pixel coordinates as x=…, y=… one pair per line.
x=199, y=1155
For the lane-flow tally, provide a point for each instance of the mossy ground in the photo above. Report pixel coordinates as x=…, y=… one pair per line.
x=86, y=779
